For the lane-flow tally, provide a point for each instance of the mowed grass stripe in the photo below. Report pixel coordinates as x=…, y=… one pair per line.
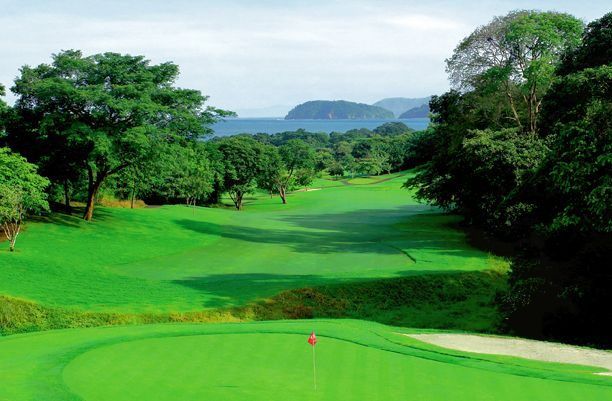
x=174, y=258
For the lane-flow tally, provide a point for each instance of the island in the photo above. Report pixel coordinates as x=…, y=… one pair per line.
x=399, y=105
x=416, y=112
x=337, y=110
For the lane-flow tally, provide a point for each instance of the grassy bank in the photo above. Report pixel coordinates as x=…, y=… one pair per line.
x=456, y=301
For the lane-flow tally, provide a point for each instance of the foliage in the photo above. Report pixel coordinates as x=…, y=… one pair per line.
x=560, y=285
x=545, y=186
x=392, y=128
x=3, y=111
x=292, y=166
x=515, y=54
x=103, y=113
x=187, y=173
x=242, y=164
x=21, y=192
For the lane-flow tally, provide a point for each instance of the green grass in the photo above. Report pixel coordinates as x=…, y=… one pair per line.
x=175, y=259
x=454, y=301
x=267, y=361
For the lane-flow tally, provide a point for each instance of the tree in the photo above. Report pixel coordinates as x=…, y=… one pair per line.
x=292, y=166
x=560, y=284
x=392, y=129
x=22, y=191
x=516, y=54
x=336, y=170
x=195, y=180
x=109, y=109
x=3, y=110
x=242, y=162
x=343, y=154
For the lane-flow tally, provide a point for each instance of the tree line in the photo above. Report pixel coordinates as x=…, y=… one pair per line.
x=116, y=124
x=522, y=146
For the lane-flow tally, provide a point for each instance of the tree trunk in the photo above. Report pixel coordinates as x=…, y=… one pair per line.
x=283, y=195
x=133, y=195
x=513, y=107
x=238, y=201
x=91, y=199
x=11, y=230
x=67, y=207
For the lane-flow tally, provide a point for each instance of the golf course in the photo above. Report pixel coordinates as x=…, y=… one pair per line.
x=268, y=361
x=219, y=201
x=180, y=259
x=175, y=258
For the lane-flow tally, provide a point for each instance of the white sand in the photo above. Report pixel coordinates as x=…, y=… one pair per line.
x=529, y=349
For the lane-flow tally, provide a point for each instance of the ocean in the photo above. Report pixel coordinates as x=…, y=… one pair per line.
x=233, y=126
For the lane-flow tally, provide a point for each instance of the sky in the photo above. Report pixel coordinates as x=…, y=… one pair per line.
x=262, y=57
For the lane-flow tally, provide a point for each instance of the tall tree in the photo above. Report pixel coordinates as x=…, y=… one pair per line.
x=293, y=166
x=108, y=109
x=517, y=54
x=22, y=191
x=242, y=162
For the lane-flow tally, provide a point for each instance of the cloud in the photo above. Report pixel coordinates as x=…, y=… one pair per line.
x=248, y=56
x=425, y=23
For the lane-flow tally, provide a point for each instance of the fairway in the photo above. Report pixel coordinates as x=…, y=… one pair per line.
x=174, y=258
x=272, y=361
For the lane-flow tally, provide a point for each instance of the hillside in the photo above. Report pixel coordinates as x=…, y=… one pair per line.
x=399, y=105
x=337, y=109
x=416, y=112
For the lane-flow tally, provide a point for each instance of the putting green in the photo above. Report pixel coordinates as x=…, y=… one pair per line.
x=272, y=361
x=174, y=258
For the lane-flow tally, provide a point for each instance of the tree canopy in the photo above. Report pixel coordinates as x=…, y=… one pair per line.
x=516, y=53
x=102, y=113
x=22, y=191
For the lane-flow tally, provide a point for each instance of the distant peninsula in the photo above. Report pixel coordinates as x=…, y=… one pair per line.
x=337, y=110
x=416, y=112
x=400, y=105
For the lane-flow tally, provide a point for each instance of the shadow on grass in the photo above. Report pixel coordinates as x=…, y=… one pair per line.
x=75, y=219
x=382, y=231
x=226, y=290
x=441, y=299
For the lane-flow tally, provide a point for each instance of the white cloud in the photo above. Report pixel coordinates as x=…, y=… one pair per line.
x=248, y=56
x=425, y=23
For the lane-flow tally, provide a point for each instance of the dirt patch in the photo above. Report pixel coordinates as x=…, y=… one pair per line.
x=529, y=349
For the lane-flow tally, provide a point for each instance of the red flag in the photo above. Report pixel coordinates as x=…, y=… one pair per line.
x=312, y=340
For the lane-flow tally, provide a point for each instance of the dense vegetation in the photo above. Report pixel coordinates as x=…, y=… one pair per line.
x=337, y=109
x=522, y=147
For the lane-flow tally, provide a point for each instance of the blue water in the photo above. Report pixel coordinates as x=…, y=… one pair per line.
x=273, y=125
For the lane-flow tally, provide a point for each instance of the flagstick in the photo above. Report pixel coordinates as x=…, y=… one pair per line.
x=314, y=368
